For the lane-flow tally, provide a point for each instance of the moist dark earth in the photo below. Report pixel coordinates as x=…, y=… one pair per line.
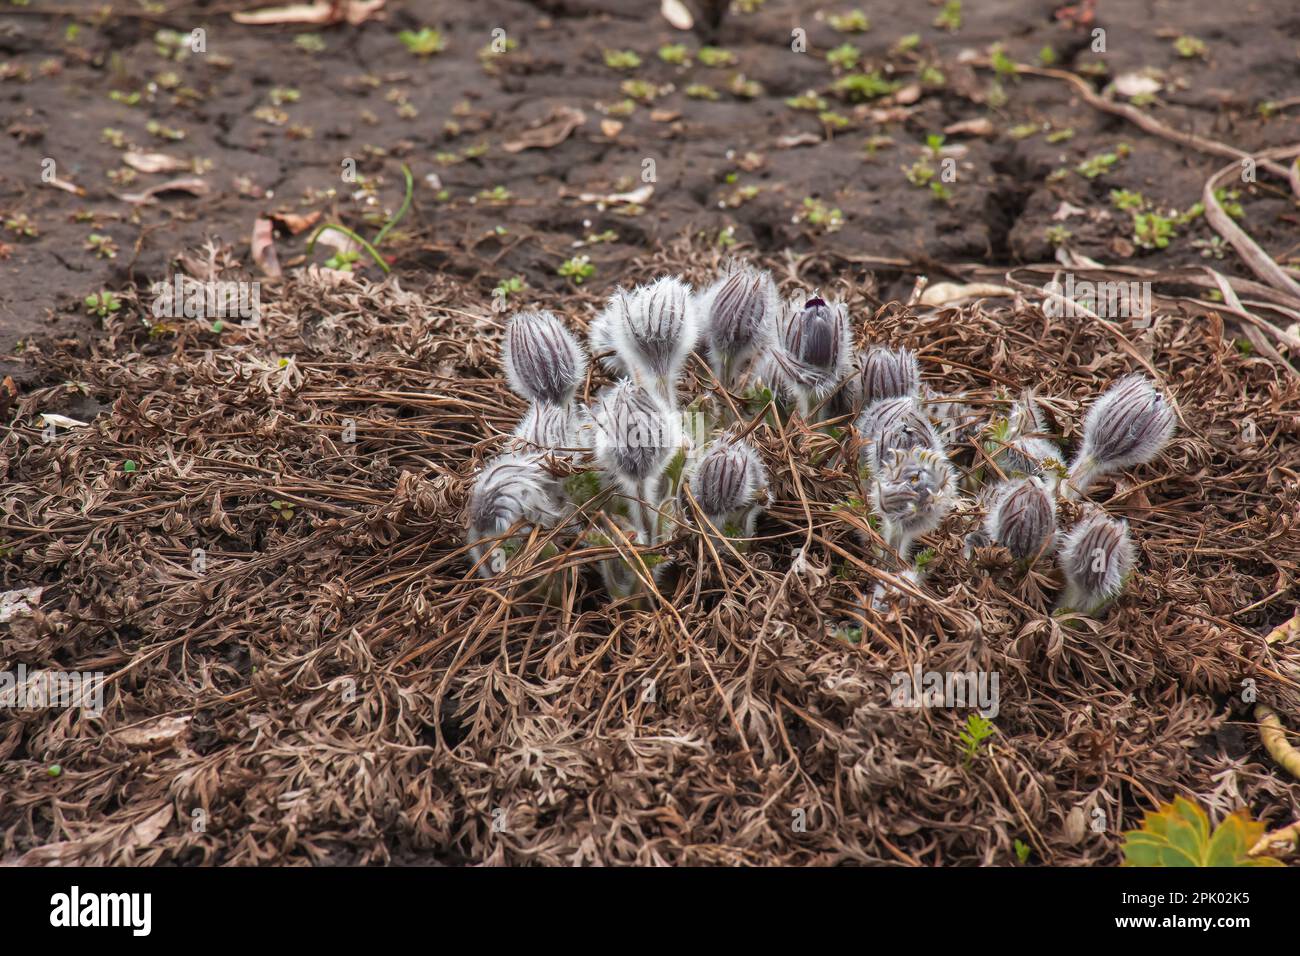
x=268, y=116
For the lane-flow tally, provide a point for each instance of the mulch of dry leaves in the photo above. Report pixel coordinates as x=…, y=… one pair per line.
x=332, y=686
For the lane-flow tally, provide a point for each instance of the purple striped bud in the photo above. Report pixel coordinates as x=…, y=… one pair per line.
x=894, y=425
x=651, y=331
x=911, y=493
x=635, y=434
x=888, y=373
x=543, y=361
x=812, y=350
x=738, y=312
x=728, y=479
x=511, y=490
x=1022, y=518
x=1096, y=558
x=1127, y=426
x=556, y=428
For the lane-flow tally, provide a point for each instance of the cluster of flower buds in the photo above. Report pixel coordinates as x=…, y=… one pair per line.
x=631, y=463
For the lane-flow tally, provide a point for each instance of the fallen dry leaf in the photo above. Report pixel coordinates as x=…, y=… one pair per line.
x=156, y=734
x=322, y=11
x=66, y=186
x=980, y=126
x=636, y=196
x=193, y=185
x=676, y=13
x=262, y=248
x=946, y=293
x=293, y=223
x=551, y=132
x=611, y=127
x=155, y=162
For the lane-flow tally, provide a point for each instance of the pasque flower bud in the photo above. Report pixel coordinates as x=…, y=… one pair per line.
x=728, y=482
x=738, y=313
x=511, y=489
x=1096, y=559
x=1127, y=426
x=543, y=361
x=888, y=373
x=911, y=493
x=554, y=428
x=650, y=331
x=1022, y=517
x=894, y=424
x=812, y=350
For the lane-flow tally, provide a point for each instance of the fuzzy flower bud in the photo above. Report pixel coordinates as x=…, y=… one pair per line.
x=543, y=361
x=651, y=331
x=888, y=373
x=812, y=350
x=1022, y=518
x=635, y=434
x=728, y=482
x=1096, y=558
x=1127, y=426
x=911, y=494
x=738, y=312
x=555, y=428
x=511, y=489
x=895, y=424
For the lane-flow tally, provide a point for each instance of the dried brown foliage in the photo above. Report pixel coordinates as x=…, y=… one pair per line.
x=476, y=703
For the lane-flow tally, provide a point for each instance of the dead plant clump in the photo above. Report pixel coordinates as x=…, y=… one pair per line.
x=328, y=682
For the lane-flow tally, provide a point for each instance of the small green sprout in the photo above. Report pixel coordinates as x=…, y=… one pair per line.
x=130, y=467
x=907, y=43
x=1060, y=135
x=806, y=101
x=508, y=287
x=1098, y=165
x=702, y=91
x=577, y=270
x=977, y=730
x=859, y=87
x=1126, y=199
x=20, y=224
x=1047, y=56
x=1003, y=65
x=423, y=42
x=1057, y=235
x=639, y=90
x=54, y=770
x=310, y=43
x=844, y=57
x=102, y=246
x=817, y=213
x=622, y=59
x=1188, y=47
x=102, y=304
x=919, y=173
x=713, y=56
x=949, y=17
x=1022, y=851
x=1152, y=230
x=939, y=192
x=283, y=509
x=852, y=21
x=675, y=53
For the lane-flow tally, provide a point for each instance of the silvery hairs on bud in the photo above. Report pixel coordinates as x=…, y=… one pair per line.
x=650, y=331
x=1127, y=426
x=1022, y=517
x=563, y=429
x=812, y=350
x=887, y=373
x=911, y=493
x=1096, y=559
x=543, y=360
x=635, y=435
x=728, y=482
x=510, y=489
x=894, y=424
x=738, y=313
